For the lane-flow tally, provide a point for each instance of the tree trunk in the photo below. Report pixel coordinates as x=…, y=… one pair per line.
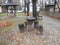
x=34, y=9
x=58, y=6
x=15, y=11
x=59, y=9
x=28, y=8
x=25, y=6
x=54, y=5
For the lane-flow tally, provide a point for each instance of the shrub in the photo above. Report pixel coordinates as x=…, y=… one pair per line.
x=5, y=24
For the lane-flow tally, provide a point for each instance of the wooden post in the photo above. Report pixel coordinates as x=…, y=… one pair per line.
x=15, y=11
x=7, y=9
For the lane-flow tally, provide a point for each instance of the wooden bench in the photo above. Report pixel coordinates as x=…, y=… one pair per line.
x=39, y=16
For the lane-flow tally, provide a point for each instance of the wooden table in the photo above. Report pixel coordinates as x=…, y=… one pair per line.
x=30, y=21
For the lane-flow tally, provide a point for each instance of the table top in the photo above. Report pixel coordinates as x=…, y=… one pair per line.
x=30, y=18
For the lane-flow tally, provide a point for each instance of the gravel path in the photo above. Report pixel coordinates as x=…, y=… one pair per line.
x=50, y=36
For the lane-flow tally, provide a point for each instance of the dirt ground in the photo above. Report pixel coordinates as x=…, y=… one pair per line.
x=51, y=36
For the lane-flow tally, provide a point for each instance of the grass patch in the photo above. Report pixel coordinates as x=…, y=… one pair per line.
x=3, y=14
x=18, y=14
x=6, y=29
x=51, y=14
x=15, y=24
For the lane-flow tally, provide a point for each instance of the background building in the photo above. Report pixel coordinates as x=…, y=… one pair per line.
x=3, y=8
x=0, y=5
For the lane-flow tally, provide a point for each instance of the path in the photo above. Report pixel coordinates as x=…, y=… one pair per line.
x=52, y=21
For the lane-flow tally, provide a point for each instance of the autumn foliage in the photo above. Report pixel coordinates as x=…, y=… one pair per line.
x=5, y=24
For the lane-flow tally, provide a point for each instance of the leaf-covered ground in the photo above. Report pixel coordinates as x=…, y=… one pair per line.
x=50, y=36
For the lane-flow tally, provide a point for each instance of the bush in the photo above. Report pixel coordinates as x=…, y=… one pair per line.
x=5, y=24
